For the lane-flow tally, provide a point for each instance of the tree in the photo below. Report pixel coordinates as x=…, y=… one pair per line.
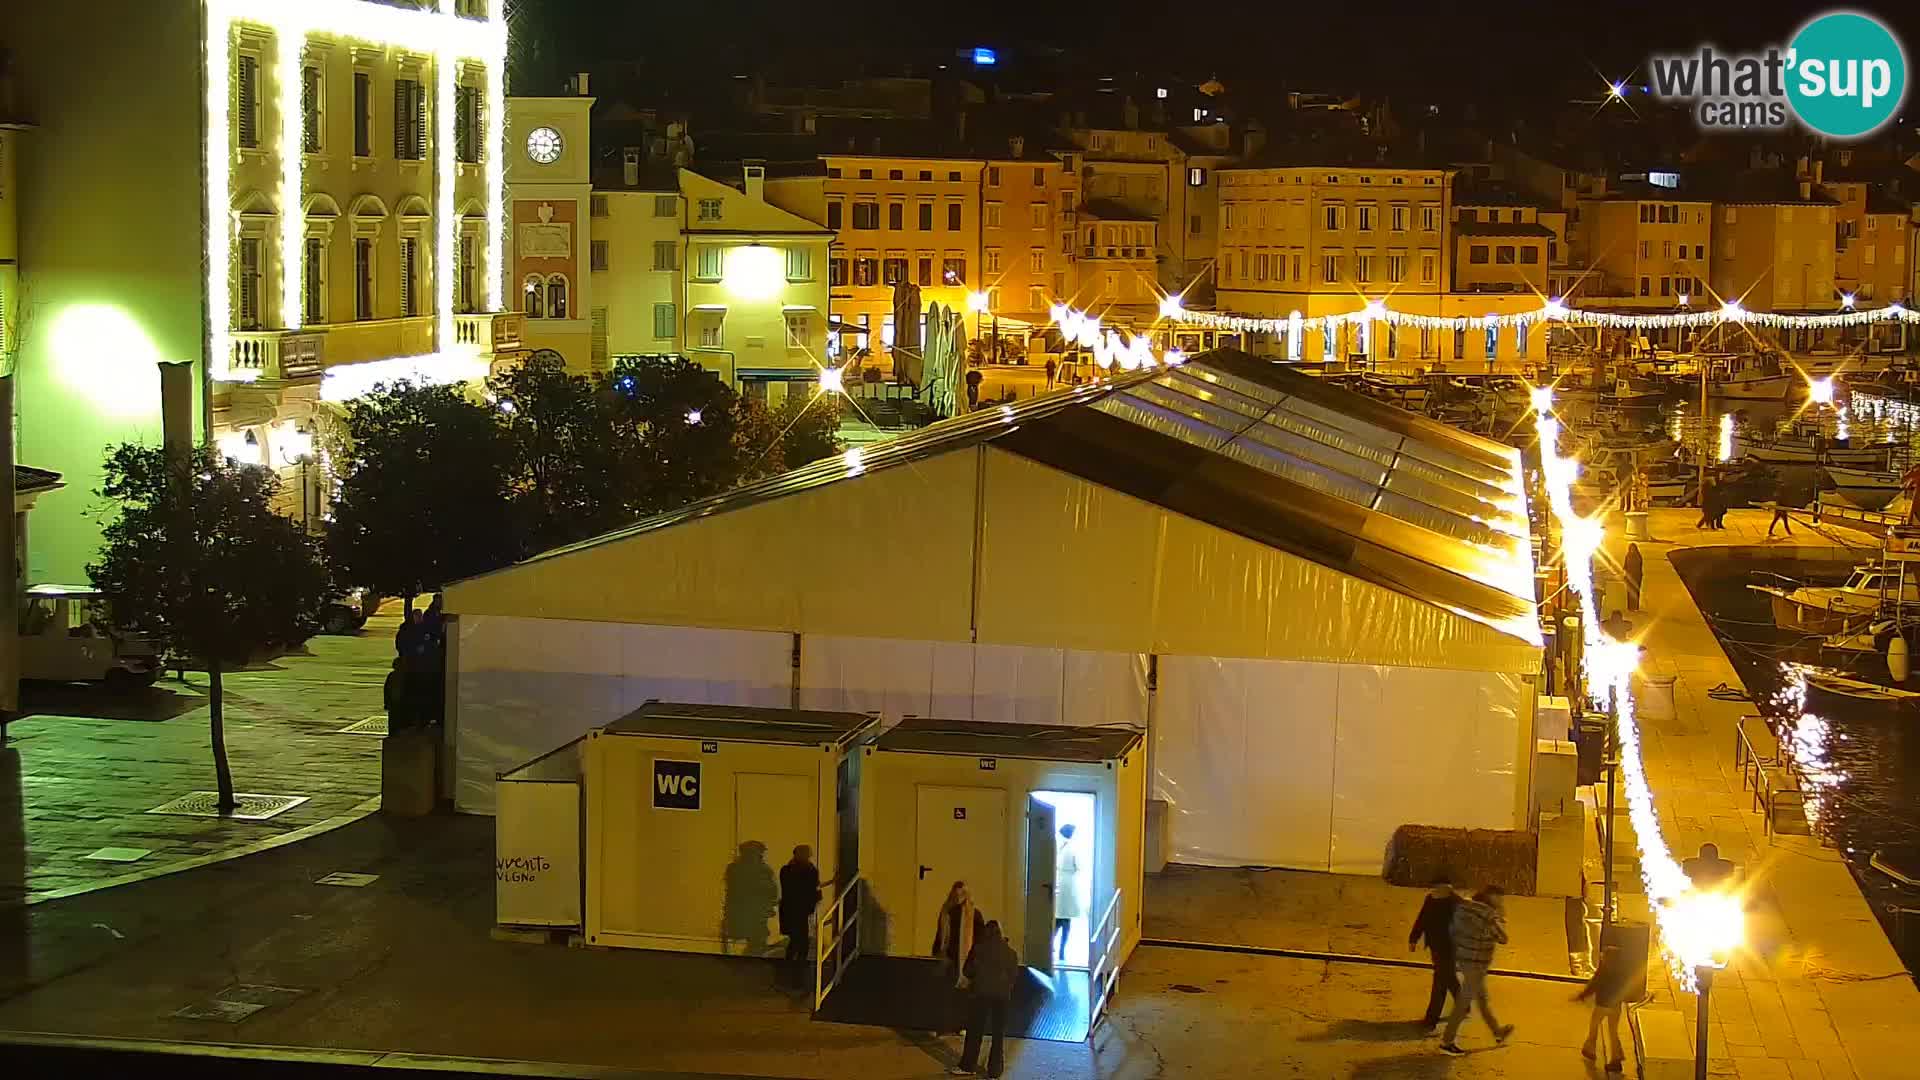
x=805, y=428
x=198, y=560
x=424, y=491
x=681, y=423
x=573, y=464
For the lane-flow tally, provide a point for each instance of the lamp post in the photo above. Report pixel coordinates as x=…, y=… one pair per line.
x=1703, y=975
x=1611, y=764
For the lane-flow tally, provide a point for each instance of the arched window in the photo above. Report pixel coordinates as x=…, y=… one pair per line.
x=557, y=296
x=536, y=297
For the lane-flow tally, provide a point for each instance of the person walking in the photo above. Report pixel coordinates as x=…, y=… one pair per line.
x=1434, y=926
x=1783, y=500
x=799, y=895
x=1052, y=369
x=959, y=924
x=1709, y=501
x=1066, y=890
x=1632, y=567
x=990, y=969
x=1608, y=989
x=1479, y=924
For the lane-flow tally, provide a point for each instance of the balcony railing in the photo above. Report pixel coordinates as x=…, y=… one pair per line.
x=277, y=354
x=498, y=331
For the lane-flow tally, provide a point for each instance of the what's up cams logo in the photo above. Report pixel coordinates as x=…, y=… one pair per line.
x=1843, y=76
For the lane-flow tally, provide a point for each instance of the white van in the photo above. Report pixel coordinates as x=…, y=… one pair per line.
x=65, y=637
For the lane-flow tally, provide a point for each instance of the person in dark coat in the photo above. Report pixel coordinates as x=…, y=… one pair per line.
x=1633, y=566
x=1709, y=503
x=959, y=927
x=990, y=970
x=799, y=895
x=1434, y=926
x=1783, y=500
x=1613, y=980
x=974, y=379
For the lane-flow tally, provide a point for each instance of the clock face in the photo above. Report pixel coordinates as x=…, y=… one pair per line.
x=543, y=145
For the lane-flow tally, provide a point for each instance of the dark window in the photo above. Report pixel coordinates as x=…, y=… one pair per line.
x=953, y=216
x=246, y=92
x=409, y=262
x=314, y=285
x=362, y=114
x=926, y=174
x=926, y=216
x=1699, y=251
x=1477, y=254
x=310, y=110
x=363, y=278
x=896, y=174
x=1646, y=286
x=865, y=270
x=249, y=283
x=409, y=120
x=1530, y=255
x=893, y=271
x=925, y=276
x=833, y=216
x=896, y=215
x=1503, y=255
x=954, y=271
x=836, y=271
x=466, y=120
x=833, y=174
x=953, y=177
x=866, y=215
x=866, y=174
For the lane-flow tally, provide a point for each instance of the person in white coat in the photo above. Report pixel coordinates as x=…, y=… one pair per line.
x=1066, y=889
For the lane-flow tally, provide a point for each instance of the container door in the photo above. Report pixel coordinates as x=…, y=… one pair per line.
x=1041, y=830
x=961, y=835
x=780, y=811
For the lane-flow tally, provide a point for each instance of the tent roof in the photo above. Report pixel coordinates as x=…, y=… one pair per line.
x=982, y=738
x=1286, y=476
x=743, y=723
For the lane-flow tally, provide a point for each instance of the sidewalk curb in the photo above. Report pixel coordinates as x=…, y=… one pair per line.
x=253, y=847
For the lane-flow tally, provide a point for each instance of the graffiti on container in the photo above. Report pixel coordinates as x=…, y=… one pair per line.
x=520, y=868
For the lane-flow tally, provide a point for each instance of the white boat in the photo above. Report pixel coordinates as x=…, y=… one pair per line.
x=1839, y=685
x=1796, y=453
x=1836, y=610
x=1861, y=489
x=1753, y=386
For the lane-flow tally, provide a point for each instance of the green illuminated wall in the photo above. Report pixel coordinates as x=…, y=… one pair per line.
x=110, y=235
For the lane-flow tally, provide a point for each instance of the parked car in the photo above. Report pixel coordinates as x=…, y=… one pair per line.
x=347, y=612
x=66, y=636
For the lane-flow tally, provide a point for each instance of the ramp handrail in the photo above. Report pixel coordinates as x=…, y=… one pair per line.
x=836, y=936
x=1104, y=945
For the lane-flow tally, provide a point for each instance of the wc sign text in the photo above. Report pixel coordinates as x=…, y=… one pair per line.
x=676, y=784
x=1844, y=75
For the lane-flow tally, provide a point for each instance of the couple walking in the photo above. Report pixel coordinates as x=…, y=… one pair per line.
x=977, y=970
x=1461, y=933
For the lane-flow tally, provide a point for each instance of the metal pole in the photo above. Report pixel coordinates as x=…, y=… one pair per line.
x=1703, y=976
x=1610, y=764
x=1707, y=433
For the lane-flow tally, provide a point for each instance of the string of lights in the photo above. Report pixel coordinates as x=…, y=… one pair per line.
x=1294, y=323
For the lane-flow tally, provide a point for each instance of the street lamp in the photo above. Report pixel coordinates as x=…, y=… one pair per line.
x=1704, y=927
x=979, y=303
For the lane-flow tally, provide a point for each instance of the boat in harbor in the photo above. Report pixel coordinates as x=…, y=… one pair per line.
x=1753, y=385
x=1862, y=489
x=1836, y=610
x=1796, y=452
x=1625, y=395
x=1837, y=686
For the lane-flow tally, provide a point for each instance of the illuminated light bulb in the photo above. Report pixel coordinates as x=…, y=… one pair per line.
x=1541, y=397
x=1732, y=310
x=1820, y=391
x=978, y=301
x=693, y=416
x=1170, y=307
x=1058, y=313
x=1173, y=357
x=1705, y=927
x=832, y=381
x=1683, y=298
x=1554, y=309
x=1375, y=309
x=1006, y=413
x=1617, y=91
x=754, y=272
x=1089, y=331
x=1846, y=301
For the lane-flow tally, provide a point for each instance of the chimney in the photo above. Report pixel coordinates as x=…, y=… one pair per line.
x=1806, y=189
x=1819, y=172
x=960, y=122
x=630, y=166
x=1016, y=147
x=1132, y=110
x=756, y=181
x=582, y=84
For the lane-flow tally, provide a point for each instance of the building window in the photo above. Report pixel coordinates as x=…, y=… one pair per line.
x=1429, y=218
x=1037, y=261
x=536, y=296
x=866, y=174
x=409, y=277
x=1366, y=217
x=953, y=217
x=663, y=255
x=1459, y=341
x=246, y=100
x=926, y=217
x=1530, y=255
x=597, y=206
x=799, y=264
x=1336, y=216
x=313, y=281
x=1503, y=255
x=923, y=271
x=708, y=262
x=1646, y=249
x=363, y=277
x=1646, y=286
x=362, y=114
x=1428, y=266
x=1492, y=341
x=866, y=215
x=409, y=120
x=1666, y=286
x=1477, y=254
x=713, y=333
x=557, y=297
x=247, y=284
x=310, y=99
x=866, y=270
x=833, y=216
x=836, y=271
x=799, y=330
x=1196, y=177
x=1397, y=217
x=991, y=217
x=666, y=205
x=896, y=215
x=895, y=174
x=993, y=260
x=953, y=271
x=993, y=176
x=664, y=323
x=893, y=270
x=1396, y=268
x=468, y=257
x=466, y=123
x=1037, y=215
x=1329, y=268
x=1729, y=217
x=709, y=209
x=1363, y=268
x=597, y=254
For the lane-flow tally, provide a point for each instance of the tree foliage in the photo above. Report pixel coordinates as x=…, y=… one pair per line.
x=425, y=485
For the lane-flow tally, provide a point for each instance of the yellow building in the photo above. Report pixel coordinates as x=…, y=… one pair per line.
x=1774, y=250
x=551, y=226
x=1328, y=239
x=1871, y=237
x=894, y=220
x=1500, y=244
x=300, y=199
x=1029, y=203
x=1645, y=248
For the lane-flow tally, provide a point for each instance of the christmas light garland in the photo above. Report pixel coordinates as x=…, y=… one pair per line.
x=1294, y=323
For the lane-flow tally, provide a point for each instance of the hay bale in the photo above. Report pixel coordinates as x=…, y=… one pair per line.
x=1472, y=857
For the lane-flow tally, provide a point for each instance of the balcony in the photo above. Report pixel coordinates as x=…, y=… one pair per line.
x=492, y=332
x=277, y=354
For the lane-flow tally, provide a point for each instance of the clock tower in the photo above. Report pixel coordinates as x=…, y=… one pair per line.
x=550, y=223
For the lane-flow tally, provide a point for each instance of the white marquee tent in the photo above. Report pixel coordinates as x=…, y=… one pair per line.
x=1319, y=606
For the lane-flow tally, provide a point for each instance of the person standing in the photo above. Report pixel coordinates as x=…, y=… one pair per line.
x=1633, y=566
x=799, y=895
x=1434, y=926
x=1066, y=890
x=1608, y=989
x=1479, y=924
x=1052, y=368
x=991, y=969
x=959, y=924
x=974, y=378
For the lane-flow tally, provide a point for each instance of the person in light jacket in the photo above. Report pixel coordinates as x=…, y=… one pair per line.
x=1479, y=925
x=991, y=969
x=1066, y=890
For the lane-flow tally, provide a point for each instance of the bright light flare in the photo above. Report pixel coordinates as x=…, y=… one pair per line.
x=693, y=416
x=1541, y=398
x=754, y=272
x=1704, y=927
x=1170, y=307
x=832, y=381
x=1820, y=391
x=979, y=301
x=1724, y=450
